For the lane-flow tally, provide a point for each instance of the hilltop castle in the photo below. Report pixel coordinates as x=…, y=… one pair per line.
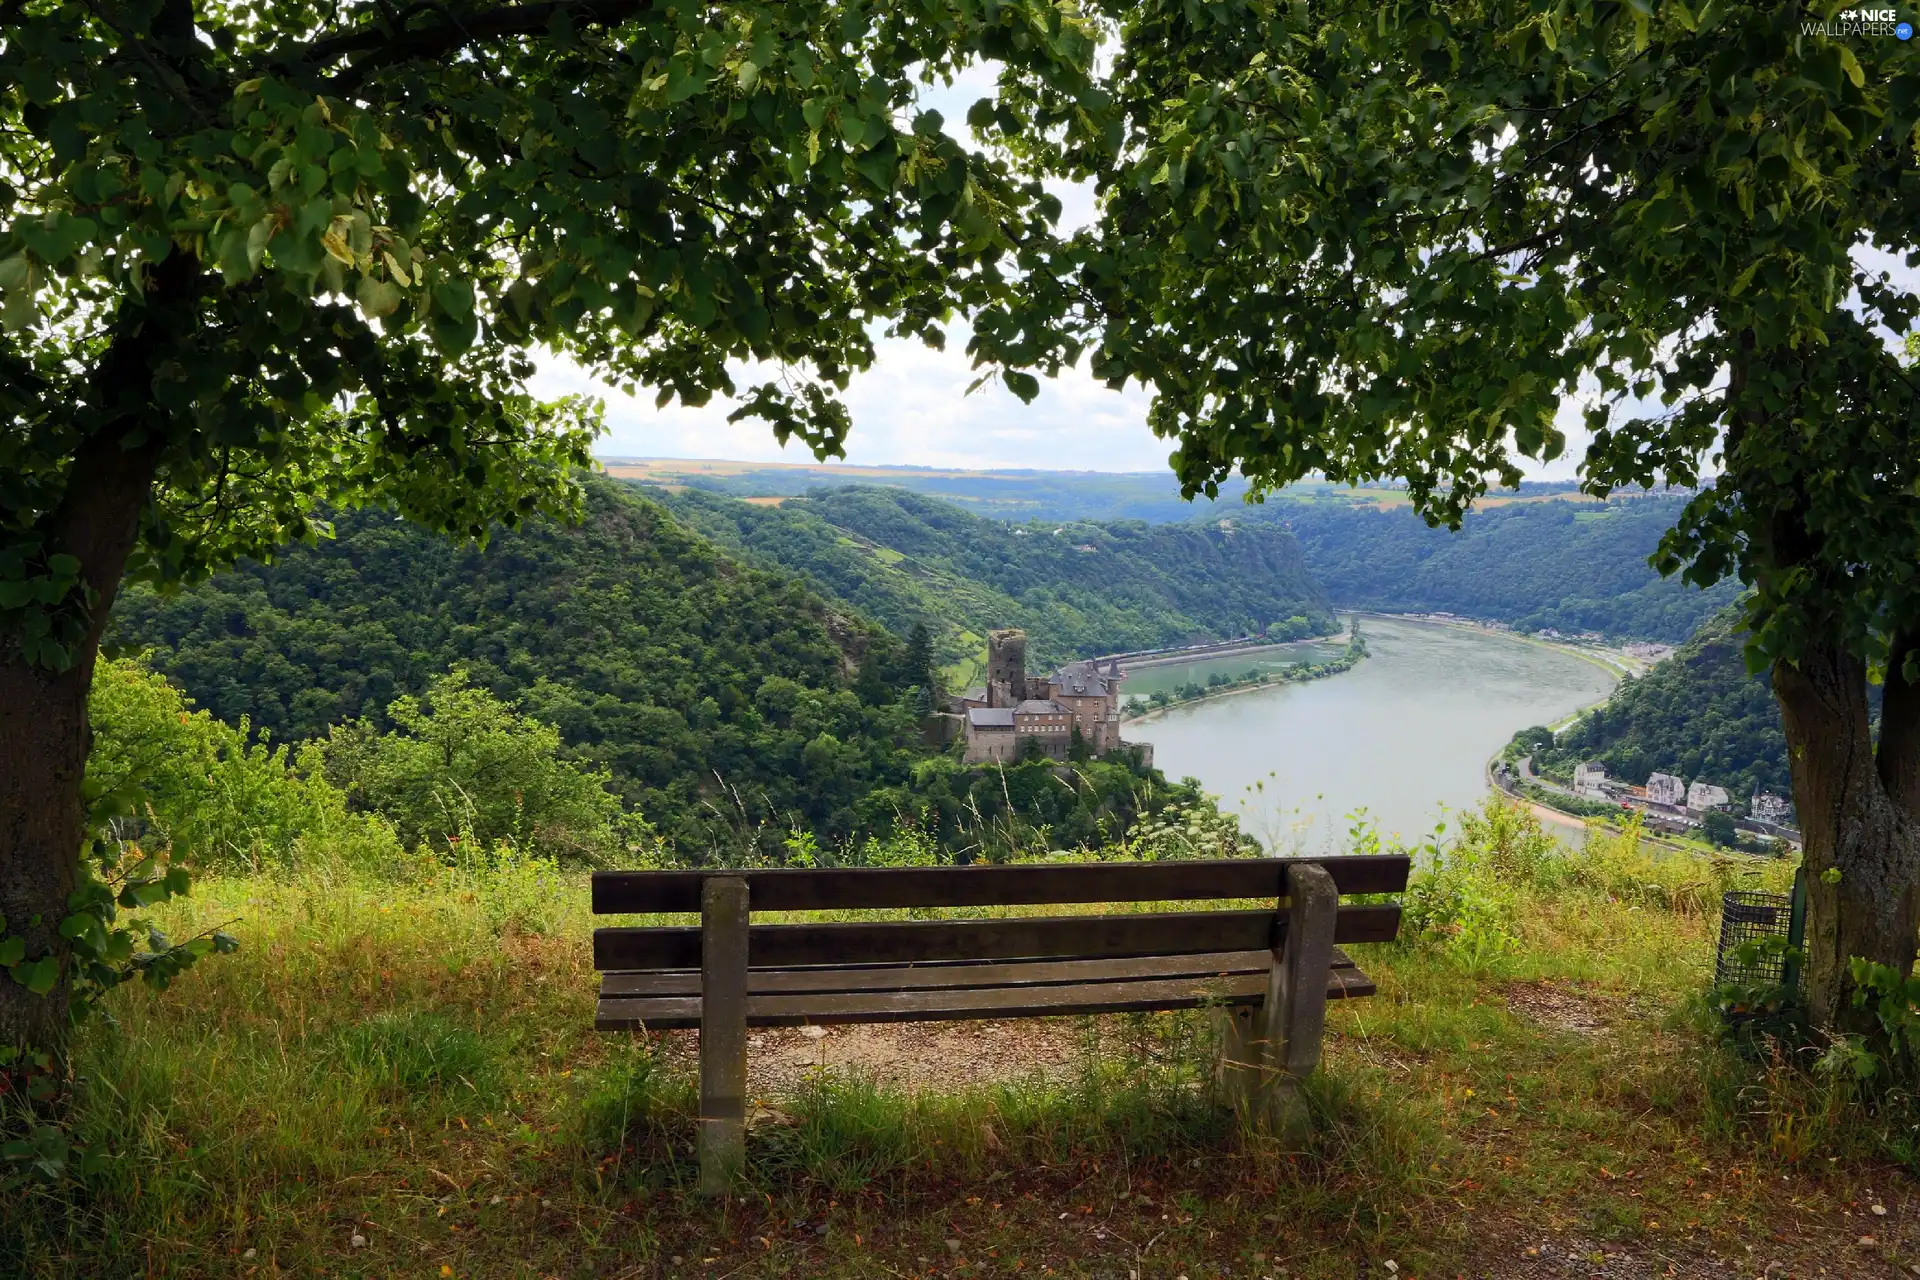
x=1013, y=708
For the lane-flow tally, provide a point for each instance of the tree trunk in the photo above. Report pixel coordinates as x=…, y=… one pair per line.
x=1858, y=820
x=43, y=754
x=44, y=736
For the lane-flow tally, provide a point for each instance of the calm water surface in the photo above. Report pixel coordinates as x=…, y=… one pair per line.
x=1405, y=735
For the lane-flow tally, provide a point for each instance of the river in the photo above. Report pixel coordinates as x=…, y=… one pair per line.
x=1404, y=736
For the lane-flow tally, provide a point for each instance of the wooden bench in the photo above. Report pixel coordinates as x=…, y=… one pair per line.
x=1271, y=969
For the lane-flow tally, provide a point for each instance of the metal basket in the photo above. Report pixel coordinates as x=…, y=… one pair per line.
x=1746, y=914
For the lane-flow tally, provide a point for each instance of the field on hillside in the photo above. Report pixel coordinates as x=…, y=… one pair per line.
x=399, y=1078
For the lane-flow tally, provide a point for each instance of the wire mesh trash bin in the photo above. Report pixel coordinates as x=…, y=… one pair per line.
x=1747, y=914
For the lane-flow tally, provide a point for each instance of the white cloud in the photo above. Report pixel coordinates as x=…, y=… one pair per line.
x=910, y=409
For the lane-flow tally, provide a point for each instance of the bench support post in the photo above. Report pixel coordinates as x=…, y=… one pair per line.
x=722, y=1138
x=1297, y=992
x=1265, y=1055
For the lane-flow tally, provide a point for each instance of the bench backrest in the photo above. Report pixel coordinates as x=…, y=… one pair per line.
x=1020, y=937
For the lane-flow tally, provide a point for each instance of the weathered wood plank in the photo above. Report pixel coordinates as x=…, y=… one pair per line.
x=722, y=1017
x=953, y=977
x=838, y=889
x=786, y=946
x=1296, y=1005
x=665, y=1013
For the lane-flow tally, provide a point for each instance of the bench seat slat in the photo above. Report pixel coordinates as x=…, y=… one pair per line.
x=661, y=1013
x=786, y=946
x=1022, y=884
x=951, y=977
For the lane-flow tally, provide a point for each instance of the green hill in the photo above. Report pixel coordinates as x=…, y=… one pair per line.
x=655, y=655
x=1079, y=588
x=734, y=707
x=1542, y=557
x=1572, y=566
x=1698, y=715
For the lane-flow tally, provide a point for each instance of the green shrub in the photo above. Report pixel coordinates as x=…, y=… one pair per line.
x=163, y=774
x=1456, y=903
x=463, y=766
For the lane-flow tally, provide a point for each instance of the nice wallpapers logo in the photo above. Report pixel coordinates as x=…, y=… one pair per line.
x=1861, y=22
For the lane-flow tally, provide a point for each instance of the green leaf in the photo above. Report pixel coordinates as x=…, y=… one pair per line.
x=1024, y=385
x=454, y=296
x=38, y=976
x=377, y=297
x=1851, y=65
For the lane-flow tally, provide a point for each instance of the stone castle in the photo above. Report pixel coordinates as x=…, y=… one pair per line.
x=1013, y=708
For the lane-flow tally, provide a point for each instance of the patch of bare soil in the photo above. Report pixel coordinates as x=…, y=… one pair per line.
x=1556, y=1007
x=908, y=1055
x=1573, y=1258
x=1846, y=1244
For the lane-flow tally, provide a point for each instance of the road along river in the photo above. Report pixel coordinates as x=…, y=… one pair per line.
x=1405, y=735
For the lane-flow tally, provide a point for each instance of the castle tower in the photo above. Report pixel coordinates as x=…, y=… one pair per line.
x=1006, y=668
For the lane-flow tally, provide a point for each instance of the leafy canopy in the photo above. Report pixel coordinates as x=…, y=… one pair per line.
x=1405, y=240
x=282, y=253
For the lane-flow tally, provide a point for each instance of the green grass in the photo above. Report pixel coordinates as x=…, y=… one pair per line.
x=409, y=1064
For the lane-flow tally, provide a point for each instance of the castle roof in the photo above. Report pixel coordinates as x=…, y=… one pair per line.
x=1040, y=707
x=990, y=717
x=1086, y=679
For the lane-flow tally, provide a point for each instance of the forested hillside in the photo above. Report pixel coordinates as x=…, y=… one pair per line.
x=1698, y=715
x=654, y=655
x=1078, y=588
x=731, y=707
x=1567, y=565
x=1541, y=561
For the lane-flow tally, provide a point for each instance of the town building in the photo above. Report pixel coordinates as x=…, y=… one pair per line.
x=1702, y=796
x=1590, y=780
x=1772, y=809
x=1013, y=708
x=1664, y=788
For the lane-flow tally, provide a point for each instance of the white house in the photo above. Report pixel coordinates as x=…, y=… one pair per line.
x=1664, y=788
x=1702, y=796
x=1589, y=779
x=1771, y=808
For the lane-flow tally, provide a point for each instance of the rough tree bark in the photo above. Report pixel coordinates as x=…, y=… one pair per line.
x=1859, y=807
x=44, y=735
x=1858, y=817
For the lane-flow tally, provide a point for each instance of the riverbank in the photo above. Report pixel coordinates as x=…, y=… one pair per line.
x=1297, y=673
x=1244, y=648
x=1616, y=662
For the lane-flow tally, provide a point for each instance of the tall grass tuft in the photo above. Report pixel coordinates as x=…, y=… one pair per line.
x=401, y=1053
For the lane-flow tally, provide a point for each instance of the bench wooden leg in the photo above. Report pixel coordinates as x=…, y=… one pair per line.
x=1242, y=1068
x=1300, y=972
x=1266, y=1058
x=722, y=1138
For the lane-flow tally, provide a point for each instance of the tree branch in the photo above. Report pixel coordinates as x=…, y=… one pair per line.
x=1538, y=240
x=386, y=48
